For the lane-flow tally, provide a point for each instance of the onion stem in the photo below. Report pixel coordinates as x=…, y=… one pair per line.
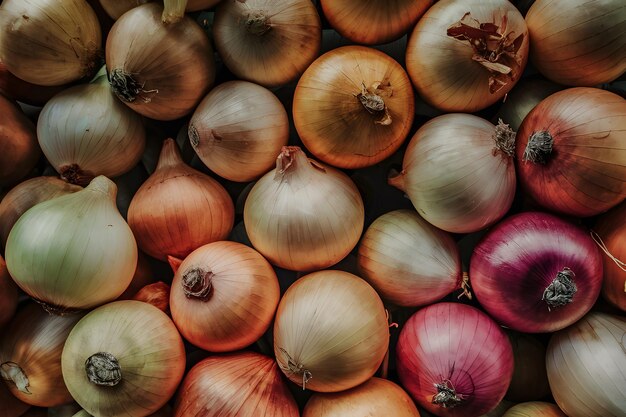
x=446, y=395
x=539, y=147
x=173, y=11
x=196, y=283
x=257, y=23
x=505, y=138
x=11, y=371
x=126, y=88
x=296, y=369
x=103, y=369
x=561, y=290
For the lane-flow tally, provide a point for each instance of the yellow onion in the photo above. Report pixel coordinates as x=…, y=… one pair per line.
x=178, y=209
x=116, y=8
x=534, y=409
x=30, y=356
x=268, y=42
x=330, y=331
x=160, y=71
x=238, y=129
x=224, y=296
x=464, y=56
x=125, y=358
x=74, y=251
x=85, y=131
x=376, y=397
x=530, y=381
x=303, y=216
x=610, y=235
x=8, y=295
x=11, y=406
x=157, y=294
x=353, y=107
x=49, y=42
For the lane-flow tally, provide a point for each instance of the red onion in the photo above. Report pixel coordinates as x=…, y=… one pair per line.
x=535, y=273
x=454, y=360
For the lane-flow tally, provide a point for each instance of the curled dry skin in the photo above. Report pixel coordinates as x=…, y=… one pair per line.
x=197, y=283
x=103, y=369
x=561, y=290
x=127, y=88
x=446, y=395
x=373, y=100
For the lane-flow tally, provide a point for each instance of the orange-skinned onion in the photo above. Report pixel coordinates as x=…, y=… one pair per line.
x=156, y=294
x=178, y=209
x=268, y=42
x=330, y=331
x=8, y=294
x=353, y=107
x=530, y=381
x=302, y=216
x=11, y=406
x=376, y=397
x=534, y=409
x=580, y=44
x=373, y=22
x=160, y=71
x=30, y=356
x=238, y=129
x=457, y=67
x=224, y=296
x=244, y=384
x=408, y=261
x=610, y=234
x=47, y=42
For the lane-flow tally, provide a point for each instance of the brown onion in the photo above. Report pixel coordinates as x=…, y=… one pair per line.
x=8, y=294
x=530, y=381
x=157, y=294
x=534, y=409
x=179, y=209
x=24, y=92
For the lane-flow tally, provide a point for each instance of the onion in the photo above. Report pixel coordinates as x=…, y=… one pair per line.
x=267, y=42
x=571, y=151
x=74, y=251
x=553, y=273
x=224, y=296
x=408, y=261
x=116, y=8
x=464, y=56
x=330, y=331
x=611, y=236
x=586, y=367
x=376, y=397
x=85, y=131
x=353, y=107
x=157, y=294
x=238, y=129
x=160, y=71
x=303, y=216
x=459, y=173
x=8, y=295
x=24, y=92
x=11, y=406
x=534, y=409
x=530, y=381
x=178, y=209
x=124, y=358
x=27, y=194
x=454, y=360
x=30, y=356
x=49, y=43
x=19, y=152
x=578, y=44
x=373, y=22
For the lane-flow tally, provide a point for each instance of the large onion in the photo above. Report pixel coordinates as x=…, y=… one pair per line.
x=8, y=295
x=610, y=233
x=534, y=409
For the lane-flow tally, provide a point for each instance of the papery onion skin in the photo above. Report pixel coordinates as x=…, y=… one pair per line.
x=534, y=409
x=517, y=262
x=529, y=381
x=156, y=294
x=445, y=70
x=8, y=294
x=150, y=358
x=330, y=331
x=408, y=261
x=160, y=71
x=583, y=171
x=376, y=397
x=224, y=296
x=586, y=367
x=49, y=43
x=373, y=22
x=32, y=346
x=459, y=348
x=268, y=42
x=611, y=233
x=244, y=384
x=238, y=129
x=580, y=44
x=353, y=107
x=11, y=406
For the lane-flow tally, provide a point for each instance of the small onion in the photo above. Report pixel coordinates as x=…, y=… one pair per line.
x=224, y=296
x=571, y=151
x=156, y=294
x=330, y=331
x=267, y=42
x=610, y=234
x=303, y=216
x=8, y=295
x=376, y=397
x=408, y=261
x=238, y=129
x=586, y=367
x=464, y=56
x=530, y=381
x=581, y=44
x=49, y=43
x=534, y=409
x=11, y=406
x=454, y=360
x=85, y=131
x=74, y=251
x=30, y=356
x=459, y=173
x=353, y=107
x=124, y=358
x=553, y=273
x=178, y=209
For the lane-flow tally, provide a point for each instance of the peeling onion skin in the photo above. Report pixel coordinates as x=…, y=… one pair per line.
x=611, y=233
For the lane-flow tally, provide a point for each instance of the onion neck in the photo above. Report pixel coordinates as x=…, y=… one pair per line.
x=103, y=369
x=292, y=161
x=173, y=11
x=257, y=23
x=294, y=368
x=11, y=371
x=446, y=395
x=539, y=147
x=504, y=137
x=102, y=184
x=396, y=179
x=170, y=155
x=197, y=283
x=561, y=290
x=174, y=263
x=373, y=102
x=75, y=175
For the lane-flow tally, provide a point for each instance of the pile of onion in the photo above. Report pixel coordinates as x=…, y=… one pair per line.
x=610, y=234
x=8, y=295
